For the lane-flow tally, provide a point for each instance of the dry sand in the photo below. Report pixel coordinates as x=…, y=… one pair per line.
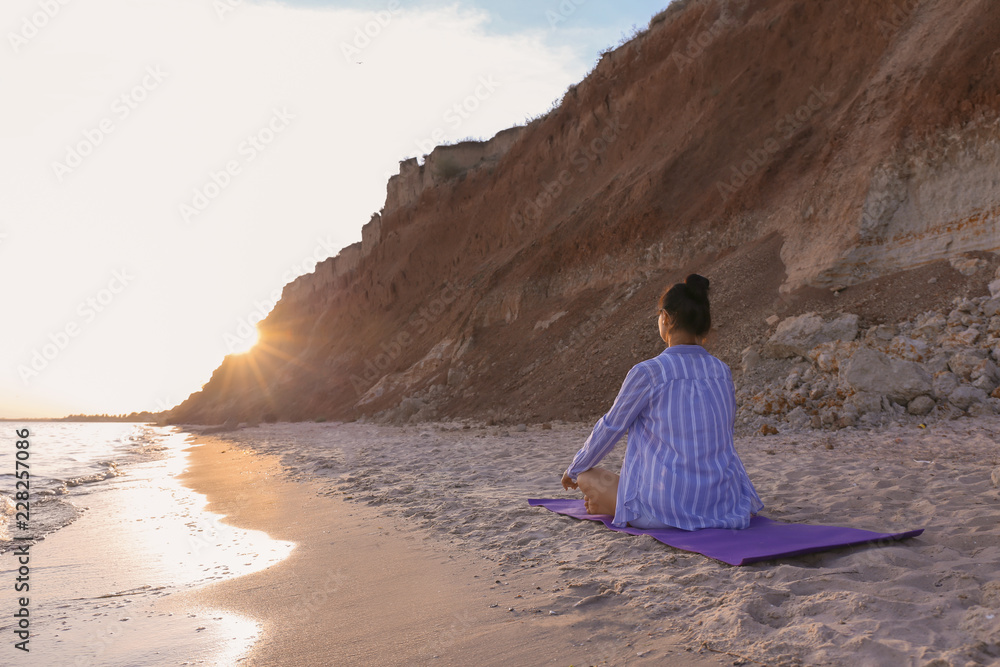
x=427, y=518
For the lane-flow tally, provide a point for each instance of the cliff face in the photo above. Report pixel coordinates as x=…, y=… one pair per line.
x=786, y=149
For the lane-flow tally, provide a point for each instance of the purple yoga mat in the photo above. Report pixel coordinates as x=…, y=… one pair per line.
x=763, y=540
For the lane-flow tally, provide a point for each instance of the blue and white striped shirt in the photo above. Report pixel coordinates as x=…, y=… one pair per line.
x=681, y=467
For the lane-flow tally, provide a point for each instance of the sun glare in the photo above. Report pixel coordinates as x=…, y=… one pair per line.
x=246, y=345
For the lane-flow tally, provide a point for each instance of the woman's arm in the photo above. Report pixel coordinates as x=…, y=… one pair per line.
x=632, y=399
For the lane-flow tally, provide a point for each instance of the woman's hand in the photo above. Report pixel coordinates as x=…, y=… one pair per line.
x=568, y=482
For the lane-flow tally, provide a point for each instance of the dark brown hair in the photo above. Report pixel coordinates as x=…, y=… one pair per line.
x=687, y=305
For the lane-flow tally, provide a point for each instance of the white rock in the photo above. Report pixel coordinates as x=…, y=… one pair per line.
x=911, y=349
x=751, y=358
x=963, y=364
x=967, y=266
x=829, y=357
x=827, y=361
x=872, y=371
x=966, y=306
x=995, y=289
x=930, y=325
x=882, y=333
x=995, y=477
x=965, y=338
x=796, y=336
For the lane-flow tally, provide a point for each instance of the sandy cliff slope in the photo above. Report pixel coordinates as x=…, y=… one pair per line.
x=806, y=156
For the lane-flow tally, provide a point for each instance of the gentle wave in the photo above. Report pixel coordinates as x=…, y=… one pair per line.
x=7, y=511
x=47, y=516
x=66, y=459
x=112, y=471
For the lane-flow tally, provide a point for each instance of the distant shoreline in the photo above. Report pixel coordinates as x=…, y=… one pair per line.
x=144, y=419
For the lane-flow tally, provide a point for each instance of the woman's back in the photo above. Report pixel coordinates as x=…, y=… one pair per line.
x=681, y=467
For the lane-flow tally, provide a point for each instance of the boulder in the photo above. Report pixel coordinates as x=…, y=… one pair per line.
x=930, y=325
x=967, y=266
x=964, y=363
x=798, y=417
x=965, y=397
x=995, y=289
x=866, y=402
x=966, y=306
x=792, y=381
x=938, y=364
x=958, y=339
x=751, y=359
x=986, y=376
x=920, y=406
x=872, y=371
x=882, y=333
x=911, y=349
x=944, y=384
x=848, y=417
x=796, y=336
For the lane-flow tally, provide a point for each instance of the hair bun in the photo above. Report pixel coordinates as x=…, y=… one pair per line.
x=697, y=286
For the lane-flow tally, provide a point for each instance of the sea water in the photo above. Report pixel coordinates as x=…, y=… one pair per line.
x=114, y=537
x=65, y=460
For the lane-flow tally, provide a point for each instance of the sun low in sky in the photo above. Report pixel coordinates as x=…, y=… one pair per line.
x=169, y=165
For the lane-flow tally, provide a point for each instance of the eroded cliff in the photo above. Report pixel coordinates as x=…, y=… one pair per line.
x=806, y=156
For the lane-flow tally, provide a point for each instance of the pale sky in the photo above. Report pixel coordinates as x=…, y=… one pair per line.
x=168, y=165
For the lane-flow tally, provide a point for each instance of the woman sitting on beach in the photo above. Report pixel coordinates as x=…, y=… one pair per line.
x=681, y=469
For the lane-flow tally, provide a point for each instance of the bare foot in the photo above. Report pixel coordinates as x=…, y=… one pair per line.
x=594, y=507
x=600, y=490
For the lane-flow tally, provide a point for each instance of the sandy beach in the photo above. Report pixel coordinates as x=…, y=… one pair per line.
x=417, y=541
x=369, y=587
